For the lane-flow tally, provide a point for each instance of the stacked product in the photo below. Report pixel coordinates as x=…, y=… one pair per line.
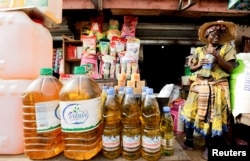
x=81, y=116
x=131, y=126
x=26, y=46
x=41, y=120
x=150, y=124
x=111, y=139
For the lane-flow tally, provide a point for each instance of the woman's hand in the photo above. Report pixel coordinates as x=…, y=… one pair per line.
x=204, y=61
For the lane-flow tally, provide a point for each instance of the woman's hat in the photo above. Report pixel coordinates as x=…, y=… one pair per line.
x=229, y=30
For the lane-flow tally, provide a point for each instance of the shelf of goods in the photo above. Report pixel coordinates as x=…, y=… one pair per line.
x=179, y=155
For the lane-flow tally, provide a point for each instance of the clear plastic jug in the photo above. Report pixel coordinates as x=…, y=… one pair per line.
x=26, y=46
x=11, y=125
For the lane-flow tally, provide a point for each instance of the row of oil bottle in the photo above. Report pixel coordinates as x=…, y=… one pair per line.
x=73, y=118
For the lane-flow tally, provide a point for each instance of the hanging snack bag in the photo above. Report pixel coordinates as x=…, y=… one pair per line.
x=104, y=47
x=133, y=47
x=113, y=29
x=96, y=27
x=108, y=66
x=89, y=54
x=120, y=45
x=129, y=26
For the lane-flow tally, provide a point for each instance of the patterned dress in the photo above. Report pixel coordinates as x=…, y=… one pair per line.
x=207, y=107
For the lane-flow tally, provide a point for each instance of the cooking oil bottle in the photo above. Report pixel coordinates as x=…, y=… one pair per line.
x=111, y=139
x=104, y=94
x=41, y=119
x=120, y=93
x=131, y=128
x=167, y=132
x=81, y=116
x=150, y=121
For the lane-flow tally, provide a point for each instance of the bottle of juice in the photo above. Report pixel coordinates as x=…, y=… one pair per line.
x=131, y=128
x=81, y=116
x=41, y=120
x=167, y=132
x=111, y=140
x=150, y=121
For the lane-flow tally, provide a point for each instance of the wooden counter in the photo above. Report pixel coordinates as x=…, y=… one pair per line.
x=179, y=155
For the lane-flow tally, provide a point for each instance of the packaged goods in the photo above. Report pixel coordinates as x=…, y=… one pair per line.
x=150, y=121
x=11, y=126
x=167, y=132
x=131, y=128
x=111, y=139
x=206, y=69
x=81, y=116
x=41, y=120
x=26, y=46
x=240, y=85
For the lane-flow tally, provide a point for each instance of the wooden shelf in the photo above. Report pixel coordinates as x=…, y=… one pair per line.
x=179, y=155
x=73, y=60
x=70, y=63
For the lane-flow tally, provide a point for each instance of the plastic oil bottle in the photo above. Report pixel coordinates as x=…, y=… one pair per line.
x=81, y=116
x=41, y=120
x=131, y=128
x=150, y=124
x=104, y=94
x=120, y=93
x=143, y=94
x=167, y=132
x=111, y=139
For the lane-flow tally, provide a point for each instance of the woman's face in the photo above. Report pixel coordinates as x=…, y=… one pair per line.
x=214, y=37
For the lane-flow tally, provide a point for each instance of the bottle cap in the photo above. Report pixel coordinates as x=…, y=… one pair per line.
x=104, y=87
x=111, y=91
x=166, y=109
x=46, y=71
x=121, y=88
x=149, y=91
x=144, y=88
x=80, y=70
x=129, y=90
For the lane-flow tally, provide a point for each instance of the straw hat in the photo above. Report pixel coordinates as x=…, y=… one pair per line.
x=228, y=35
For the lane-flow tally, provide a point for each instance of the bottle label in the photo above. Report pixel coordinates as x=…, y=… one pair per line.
x=80, y=116
x=111, y=142
x=207, y=66
x=151, y=144
x=47, y=116
x=131, y=143
x=167, y=143
x=37, y=3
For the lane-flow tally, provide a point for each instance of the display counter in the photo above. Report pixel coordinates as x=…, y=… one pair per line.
x=179, y=155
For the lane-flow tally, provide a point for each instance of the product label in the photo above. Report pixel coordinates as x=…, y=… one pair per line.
x=151, y=144
x=247, y=82
x=207, y=66
x=37, y=3
x=131, y=143
x=80, y=116
x=47, y=116
x=111, y=143
x=167, y=143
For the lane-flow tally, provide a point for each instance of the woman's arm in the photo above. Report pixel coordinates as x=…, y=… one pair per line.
x=226, y=65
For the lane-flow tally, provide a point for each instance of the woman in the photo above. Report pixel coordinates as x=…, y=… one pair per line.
x=207, y=108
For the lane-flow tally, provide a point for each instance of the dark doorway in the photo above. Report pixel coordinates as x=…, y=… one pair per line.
x=163, y=64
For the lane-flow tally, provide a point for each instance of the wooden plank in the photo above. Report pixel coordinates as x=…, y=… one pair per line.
x=78, y=4
x=179, y=155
